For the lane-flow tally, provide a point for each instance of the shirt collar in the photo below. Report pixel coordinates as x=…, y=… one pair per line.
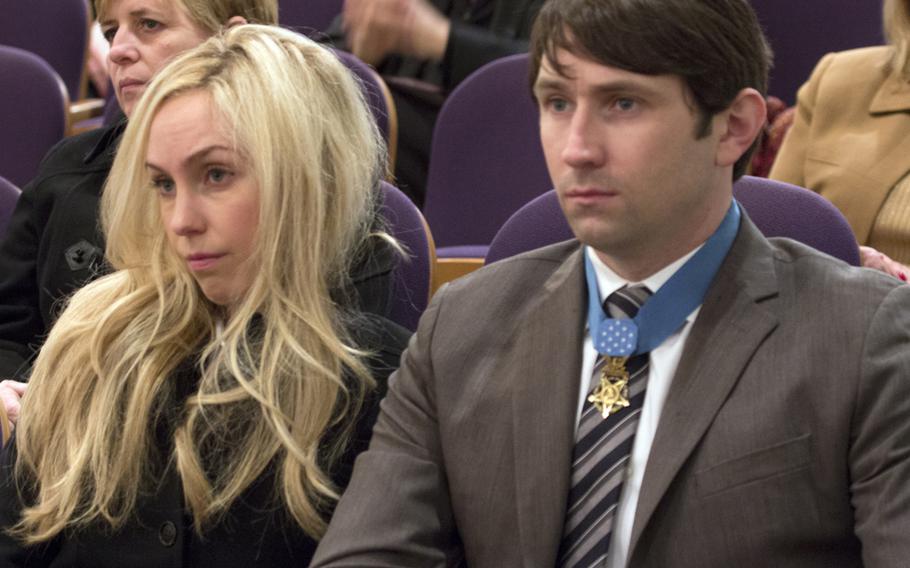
x=608, y=281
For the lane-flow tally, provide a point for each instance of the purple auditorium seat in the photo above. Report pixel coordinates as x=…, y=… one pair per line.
x=412, y=277
x=486, y=160
x=778, y=210
x=308, y=16
x=33, y=111
x=9, y=195
x=783, y=210
x=378, y=97
x=55, y=30
x=801, y=32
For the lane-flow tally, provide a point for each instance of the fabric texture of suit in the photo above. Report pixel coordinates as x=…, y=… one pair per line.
x=849, y=140
x=784, y=441
x=255, y=532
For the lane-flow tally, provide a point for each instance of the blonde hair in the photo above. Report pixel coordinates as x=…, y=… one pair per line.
x=271, y=382
x=896, y=18
x=212, y=15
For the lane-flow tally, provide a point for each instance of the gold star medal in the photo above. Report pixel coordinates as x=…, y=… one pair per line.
x=612, y=394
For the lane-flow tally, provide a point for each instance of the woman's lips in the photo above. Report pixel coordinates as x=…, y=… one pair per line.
x=199, y=262
x=131, y=85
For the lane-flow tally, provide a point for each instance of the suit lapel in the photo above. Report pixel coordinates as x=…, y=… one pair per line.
x=729, y=328
x=544, y=405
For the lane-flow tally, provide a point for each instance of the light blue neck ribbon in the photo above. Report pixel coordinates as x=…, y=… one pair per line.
x=666, y=311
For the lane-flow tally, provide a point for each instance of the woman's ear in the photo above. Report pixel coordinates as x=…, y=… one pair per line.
x=235, y=21
x=741, y=123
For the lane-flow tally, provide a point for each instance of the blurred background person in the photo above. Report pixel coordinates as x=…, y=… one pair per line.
x=202, y=405
x=849, y=141
x=424, y=49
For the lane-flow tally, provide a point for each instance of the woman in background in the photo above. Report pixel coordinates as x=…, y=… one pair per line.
x=202, y=405
x=850, y=141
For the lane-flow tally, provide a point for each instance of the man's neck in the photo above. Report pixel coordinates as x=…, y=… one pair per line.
x=638, y=263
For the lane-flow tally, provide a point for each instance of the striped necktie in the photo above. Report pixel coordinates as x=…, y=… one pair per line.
x=602, y=449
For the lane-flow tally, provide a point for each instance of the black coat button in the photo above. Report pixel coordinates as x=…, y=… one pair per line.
x=167, y=534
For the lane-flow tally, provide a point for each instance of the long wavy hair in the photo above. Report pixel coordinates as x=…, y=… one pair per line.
x=213, y=14
x=896, y=18
x=275, y=374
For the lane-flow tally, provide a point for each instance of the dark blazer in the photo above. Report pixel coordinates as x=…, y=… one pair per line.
x=255, y=532
x=54, y=246
x=784, y=440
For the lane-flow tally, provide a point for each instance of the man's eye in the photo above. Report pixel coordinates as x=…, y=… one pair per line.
x=558, y=105
x=624, y=104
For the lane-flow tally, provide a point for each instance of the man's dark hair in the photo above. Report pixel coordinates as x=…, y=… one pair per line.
x=715, y=46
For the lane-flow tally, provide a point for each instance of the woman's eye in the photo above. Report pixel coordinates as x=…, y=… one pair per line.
x=164, y=186
x=217, y=175
x=109, y=34
x=149, y=25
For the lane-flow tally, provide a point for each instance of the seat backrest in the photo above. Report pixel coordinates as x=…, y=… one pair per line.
x=783, y=210
x=55, y=30
x=486, y=160
x=778, y=210
x=413, y=275
x=308, y=16
x=378, y=97
x=801, y=32
x=33, y=112
x=9, y=195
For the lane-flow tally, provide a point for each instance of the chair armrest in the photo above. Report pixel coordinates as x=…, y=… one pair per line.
x=448, y=269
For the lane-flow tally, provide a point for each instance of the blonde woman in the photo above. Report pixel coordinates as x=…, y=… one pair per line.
x=849, y=141
x=53, y=246
x=202, y=405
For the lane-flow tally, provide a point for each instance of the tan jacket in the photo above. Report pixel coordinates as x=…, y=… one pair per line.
x=850, y=141
x=784, y=440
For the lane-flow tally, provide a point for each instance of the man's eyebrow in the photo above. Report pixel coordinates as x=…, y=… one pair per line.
x=548, y=84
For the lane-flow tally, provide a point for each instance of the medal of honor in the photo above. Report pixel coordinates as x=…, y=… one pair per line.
x=617, y=340
x=612, y=394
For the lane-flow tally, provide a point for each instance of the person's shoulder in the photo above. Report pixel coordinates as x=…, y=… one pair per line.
x=856, y=66
x=380, y=337
x=528, y=269
x=815, y=274
x=862, y=56
x=81, y=153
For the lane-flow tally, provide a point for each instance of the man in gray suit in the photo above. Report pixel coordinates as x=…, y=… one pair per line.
x=735, y=402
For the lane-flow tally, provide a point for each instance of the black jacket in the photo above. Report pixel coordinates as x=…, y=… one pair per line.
x=54, y=246
x=255, y=532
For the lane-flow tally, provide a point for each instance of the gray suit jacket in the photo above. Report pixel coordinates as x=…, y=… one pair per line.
x=784, y=441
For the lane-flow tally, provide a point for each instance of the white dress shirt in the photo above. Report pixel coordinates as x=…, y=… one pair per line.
x=662, y=366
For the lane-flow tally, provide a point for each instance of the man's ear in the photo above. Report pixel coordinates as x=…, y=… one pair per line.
x=739, y=125
x=235, y=21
